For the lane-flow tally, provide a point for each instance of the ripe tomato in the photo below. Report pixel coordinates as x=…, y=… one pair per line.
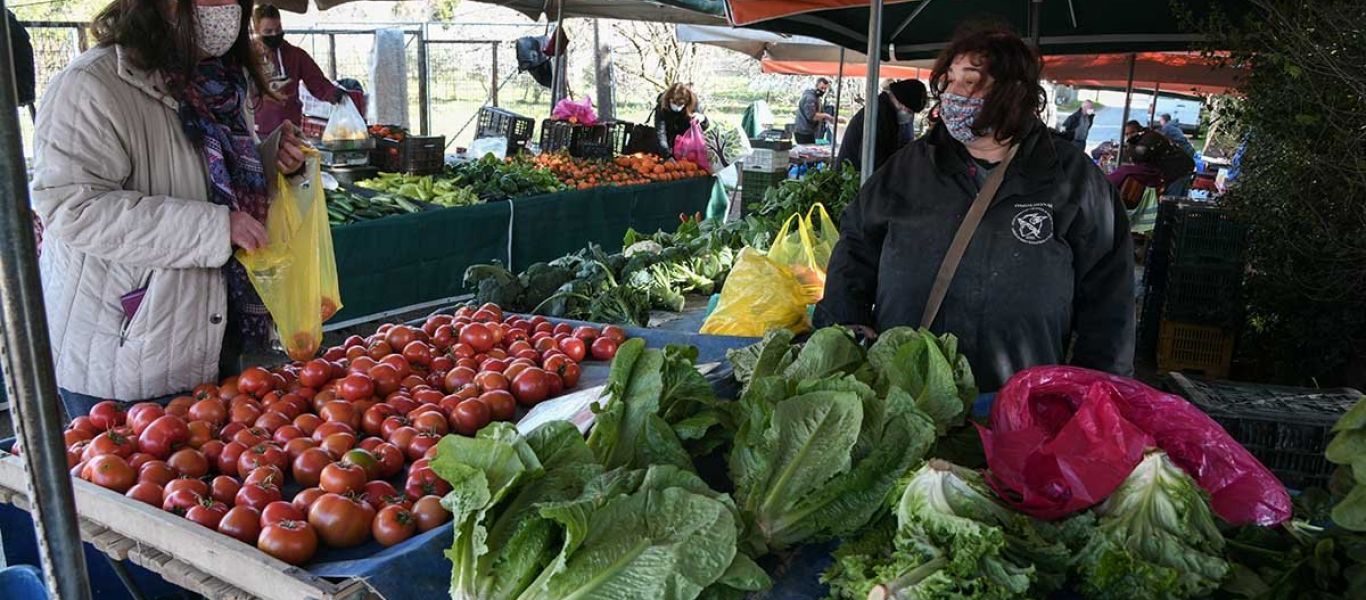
x=294, y=542
x=340, y=411
x=156, y=471
x=392, y=423
x=491, y=380
x=271, y=420
x=556, y=384
x=444, y=337
x=390, y=459
x=315, y=373
x=305, y=498
x=179, y=501
x=433, y=422
x=110, y=442
x=242, y=523
x=189, y=462
x=201, y=432
x=338, y=443
x=332, y=427
x=196, y=486
x=587, y=333
x=180, y=406
x=402, y=404
x=400, y=336
x=615, y=333
x=251, y=437
x=515, y=368
x=544, y=344
x=374, y=417
x=342, y=478
x=605, y=348
x=213, y=450
x=393, y=524
x=265, y=475
x=107, y=415
x=224, y=489
x=283, y=435
x=469, y=417
x=83, y=423
x=570, y=375
x=308, y=466
x=427, y=395
x=574, y=348
x=386, y=379
x=255, y=381
x=211, y=410
x=429, y=513
x=280, y=511
x=531, y=386
x=208, y=513
x=245, y=413
x=227, y=389
x=424, y=441
x=142, y=414
x=341, y=522
x=257, y=495
x=418, y=353
x=477, y=336
x=296, y=446
x=111, y=472
x=375, y=492
x=365, y=460
x=261, y=455
x=402, y=437
x=555, y=363
x=145, y=492
x=501, y=405
x=380, y=349
x=356, y=386
x=229, y=431
x=425, y=482
x=458, y=378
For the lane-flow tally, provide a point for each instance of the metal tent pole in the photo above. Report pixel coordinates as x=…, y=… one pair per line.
x=1152, y=110
x=26, y=356
x=1128, y=95
x=839, y=90
x=870, y=94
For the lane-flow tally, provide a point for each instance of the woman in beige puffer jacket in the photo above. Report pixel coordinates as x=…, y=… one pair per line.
x=125, y=199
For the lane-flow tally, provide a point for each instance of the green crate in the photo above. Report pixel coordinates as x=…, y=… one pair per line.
x=1206, y=235
x=754, y=184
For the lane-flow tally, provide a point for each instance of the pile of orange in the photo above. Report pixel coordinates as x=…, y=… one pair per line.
x=583, y=174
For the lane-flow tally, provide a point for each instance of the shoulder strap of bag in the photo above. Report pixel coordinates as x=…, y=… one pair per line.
x=961, y=240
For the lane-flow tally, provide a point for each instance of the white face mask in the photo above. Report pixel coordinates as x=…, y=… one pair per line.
x=676, y=107
x=217, y=28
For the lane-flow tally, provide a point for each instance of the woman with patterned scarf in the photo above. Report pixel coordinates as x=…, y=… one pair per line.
x=147, y=176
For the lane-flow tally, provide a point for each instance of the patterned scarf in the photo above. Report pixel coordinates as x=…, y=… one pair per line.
x=211, y=115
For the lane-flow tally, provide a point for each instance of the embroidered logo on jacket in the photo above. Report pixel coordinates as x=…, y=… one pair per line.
x=1033, y=225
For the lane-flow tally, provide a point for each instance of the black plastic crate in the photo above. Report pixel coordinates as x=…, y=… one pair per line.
x=416, y=155
x=496, y=122
x=1207, y=294
x=556, y=135
x=1205, y=234
x=755, y=184
x=1287, y=428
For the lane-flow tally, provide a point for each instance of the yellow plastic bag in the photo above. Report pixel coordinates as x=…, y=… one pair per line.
x=806, y=251
x=760, y=294
x=296, y=272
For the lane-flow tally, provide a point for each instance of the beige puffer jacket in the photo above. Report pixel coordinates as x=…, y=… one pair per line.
x=123, y=198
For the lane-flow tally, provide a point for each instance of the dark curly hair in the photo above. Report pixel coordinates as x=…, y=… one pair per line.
x=162, y=40
x=1016, y=98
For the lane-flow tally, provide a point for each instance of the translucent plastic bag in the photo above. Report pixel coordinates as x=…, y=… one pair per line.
x=806, y=250
x=296, y=272
x=1063, y=438
x=692, y=145
x=575, y=111
x=760, y=294
x=345, y=123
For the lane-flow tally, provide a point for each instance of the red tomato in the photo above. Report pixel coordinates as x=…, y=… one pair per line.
x=424, y=441
x=257, y=496
x=432, y=422
x=261, y=455
x=179, y=501
x=515, y=368
x=392, y=423
x=196, y=486
x=145, y=492
x=338, y=443
x=83, y=423
x=402, y=404
x=107, y=415
x=316, y=373
x=370, y=443
x=374, y=417
x=201, y=432
x=142, y=414
x=458, y=378
x=283, y=435
x=365, y=460
x=501, y=405
x=605, y=348
x=390, y=459
x=425, y=482
x=380, y=349
x=244, y=413
x=189, y=462
x=574, y=348
x=265, y=475
x=305, y=498
x=444, y=337
x=400, y=336
x=111, y=472
x=570, y=375
x=376, y=491
x=587, y=333
x=280, y=511
x=531, y=386
x=341, y=522
x=308, y=466
x=207, y=513
x=156, y=471
x=429, y=513
x=402, y=437
x=556, y=384
x=386, y=379
x=340, y=411
x=242, y=523
x=427, y=395
x=111, y=442
x=615, y=333
x=556, y=363
x=418, y=353
x=332, y=427
x=224, y=489
x=469, y=417
x=251, y=437
x=393, y=524
x=342, y=478
x=544, y=344
x=255, y=381
x=356, y=387
x=229, y=456
x=294, y=542
x=211, y=410
x=271, y=421
x=477, y=336
x=229, y=431
x=491, y=380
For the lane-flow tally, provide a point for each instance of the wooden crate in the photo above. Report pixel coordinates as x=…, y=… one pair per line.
x=180, y=551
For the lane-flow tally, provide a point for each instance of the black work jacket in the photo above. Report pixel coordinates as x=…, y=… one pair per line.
x=1050, y=268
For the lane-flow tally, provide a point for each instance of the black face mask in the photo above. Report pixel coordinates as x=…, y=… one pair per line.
x=820, y=92
x=273, y=41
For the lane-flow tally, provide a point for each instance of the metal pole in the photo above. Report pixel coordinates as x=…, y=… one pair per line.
x=424, y=109
x=26, y=357
x=493, y=79
x=839, y=90
x=1152, y=110
x=1034, y=7
x=870, y=95
x=332, y=56
x=1128, y=95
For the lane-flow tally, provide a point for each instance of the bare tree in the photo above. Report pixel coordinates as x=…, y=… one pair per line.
x=656, y=57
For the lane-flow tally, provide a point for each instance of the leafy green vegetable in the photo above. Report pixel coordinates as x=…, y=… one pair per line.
x=1348, y=448
x=1296, y=560
x=492, y=179
x=427, y=188
x=928, y=367
x=834, y=188
x=950, y=539
x=1155, y=538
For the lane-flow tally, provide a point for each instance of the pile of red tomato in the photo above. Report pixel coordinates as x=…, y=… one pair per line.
x=341, y=427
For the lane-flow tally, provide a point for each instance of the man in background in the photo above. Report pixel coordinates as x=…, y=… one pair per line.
x=810, y=116
x=1078, y=126
x=22, y=50
x=1169, y=129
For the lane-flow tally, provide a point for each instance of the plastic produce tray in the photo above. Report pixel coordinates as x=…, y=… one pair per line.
x=754, y=184
x=1202, y=349
x=415, y=155
x=496, y=122
x=1287, y=428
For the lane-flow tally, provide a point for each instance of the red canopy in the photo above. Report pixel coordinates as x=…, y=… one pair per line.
x=832, y=69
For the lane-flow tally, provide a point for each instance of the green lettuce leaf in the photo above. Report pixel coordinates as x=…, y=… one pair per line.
x=767, y=357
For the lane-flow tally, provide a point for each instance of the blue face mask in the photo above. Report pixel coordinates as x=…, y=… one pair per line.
x=958, y=114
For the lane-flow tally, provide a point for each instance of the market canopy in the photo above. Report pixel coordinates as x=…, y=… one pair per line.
x=920, y=28
x=703, y=12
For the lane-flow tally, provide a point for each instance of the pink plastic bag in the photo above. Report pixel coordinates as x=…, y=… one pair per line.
x=1063, y=438
x=576, y=112
x=692, y=145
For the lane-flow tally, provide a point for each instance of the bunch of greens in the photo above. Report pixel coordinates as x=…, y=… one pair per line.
x=817, y=448
x=1348, y=448
x=949, y=537
x=537, y=517
x=1155, y=537
x=659, y=410
x=443, y=192
x=1297, y=559
x=494, y=179
x=833, y=188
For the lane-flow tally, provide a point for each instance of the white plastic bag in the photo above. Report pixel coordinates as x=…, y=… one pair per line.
x=345, y=123
x=497, y=146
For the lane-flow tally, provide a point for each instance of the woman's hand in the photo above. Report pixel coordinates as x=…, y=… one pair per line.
x=290, y=158
x=245, y=231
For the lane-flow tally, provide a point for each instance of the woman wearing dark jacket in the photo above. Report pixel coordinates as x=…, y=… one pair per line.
x=675, y=111
x=896, y=110
x=1048, y=274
